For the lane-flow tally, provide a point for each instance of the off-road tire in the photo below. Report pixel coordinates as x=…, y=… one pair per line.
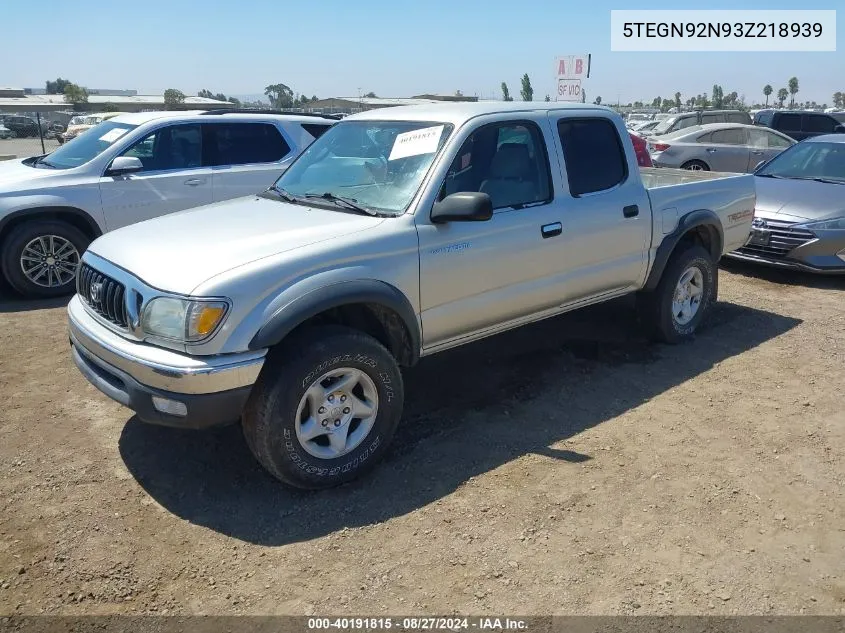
x=269, y=416
x=13, y=245
x=655, y=307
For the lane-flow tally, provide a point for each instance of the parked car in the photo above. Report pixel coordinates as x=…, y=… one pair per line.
x=717, y=147
x=130, y=168
x=799, y=124
x=799, y=220
x=6, y=132
x=80, y=124
x=700, y=117
x=399, y=233
x=641, y=150
x=641, y=128
x=22, y=126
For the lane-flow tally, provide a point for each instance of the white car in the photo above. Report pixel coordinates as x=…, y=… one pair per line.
x=131, y=168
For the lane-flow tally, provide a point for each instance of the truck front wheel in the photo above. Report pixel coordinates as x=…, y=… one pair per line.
x=674, y=310
x=325, y=407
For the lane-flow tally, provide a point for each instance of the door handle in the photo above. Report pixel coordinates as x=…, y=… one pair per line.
x=631, y=211
x=193, y=182
x=710, y=150
x=757, y=152
x=551, y=230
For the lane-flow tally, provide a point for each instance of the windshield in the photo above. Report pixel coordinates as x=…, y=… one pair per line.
x=87, y=146
x=664, y=125
x=807, y=161
x=376, y=164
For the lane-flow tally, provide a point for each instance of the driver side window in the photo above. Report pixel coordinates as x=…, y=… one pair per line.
x=507, y=161
x=169, y=148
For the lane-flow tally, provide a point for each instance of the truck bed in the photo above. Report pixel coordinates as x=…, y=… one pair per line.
x=676, y=192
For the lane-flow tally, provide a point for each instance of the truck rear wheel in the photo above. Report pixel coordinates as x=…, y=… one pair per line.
x=673, y=311
x=325, y=407
x=40, y=258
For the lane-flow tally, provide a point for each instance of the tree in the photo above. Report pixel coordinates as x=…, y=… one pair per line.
x=506, y=94
x=74, y=94
x=370, y=95
x=205, y=94
x=548, y=98
x=678, y=101
x=783, y=93
x=280, y=96
x=173, y=98
x=767, y=90
x=718, y=96
x=527, y=92
x=597, y=101
x=56, y=87
x=793, y=89
x=838, y=99
x=108, y=107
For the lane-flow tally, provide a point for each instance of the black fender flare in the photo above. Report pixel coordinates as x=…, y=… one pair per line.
x=54, y=211
x=693, y=220
x=335, y=295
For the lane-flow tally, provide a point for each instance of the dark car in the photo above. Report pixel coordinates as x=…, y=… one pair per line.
x=799, y=217
x=22, y=126
x=798, y=124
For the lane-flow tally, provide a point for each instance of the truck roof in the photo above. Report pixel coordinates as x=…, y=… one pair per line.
x=458, y=113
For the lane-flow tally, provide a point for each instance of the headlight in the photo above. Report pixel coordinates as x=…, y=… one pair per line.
x=836, y=224
x=182, y=319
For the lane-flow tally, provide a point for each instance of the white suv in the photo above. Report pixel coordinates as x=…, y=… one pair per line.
x=131, y=168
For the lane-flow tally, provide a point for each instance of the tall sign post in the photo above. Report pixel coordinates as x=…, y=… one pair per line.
x=570, y=72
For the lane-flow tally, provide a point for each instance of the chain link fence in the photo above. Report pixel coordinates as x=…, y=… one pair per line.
x=25, y=134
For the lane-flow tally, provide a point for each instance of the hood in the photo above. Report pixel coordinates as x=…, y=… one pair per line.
x=799, y=199
x=14, y=172
x=180, y=251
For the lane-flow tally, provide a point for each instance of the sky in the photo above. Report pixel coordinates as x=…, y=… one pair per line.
x=395, y=49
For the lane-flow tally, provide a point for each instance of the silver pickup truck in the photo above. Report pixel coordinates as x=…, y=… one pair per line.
x=399, y=233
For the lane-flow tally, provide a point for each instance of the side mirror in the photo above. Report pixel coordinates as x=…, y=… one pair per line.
x=124, y=165
x=465, y=206
x=839, y=129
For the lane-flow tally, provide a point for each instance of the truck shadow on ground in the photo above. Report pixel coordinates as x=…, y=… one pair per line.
x=782, y=276
x=467, y=411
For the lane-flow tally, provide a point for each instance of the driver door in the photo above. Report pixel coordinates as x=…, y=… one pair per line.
x=175, y=177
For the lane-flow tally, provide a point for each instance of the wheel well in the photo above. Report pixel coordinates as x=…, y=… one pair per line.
x=706, y=236
x=75, y=217
x=696, y=160
x=380, y=322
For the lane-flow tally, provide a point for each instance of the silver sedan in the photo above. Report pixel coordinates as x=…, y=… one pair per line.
x=729, y=147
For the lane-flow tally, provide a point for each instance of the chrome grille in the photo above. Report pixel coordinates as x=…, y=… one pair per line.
x=782, y=238
x=103, y=294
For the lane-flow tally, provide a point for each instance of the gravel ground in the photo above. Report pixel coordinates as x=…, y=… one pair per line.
x=566, y=468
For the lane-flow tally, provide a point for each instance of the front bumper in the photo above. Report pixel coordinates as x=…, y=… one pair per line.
x=213, y=389
x=818, y=255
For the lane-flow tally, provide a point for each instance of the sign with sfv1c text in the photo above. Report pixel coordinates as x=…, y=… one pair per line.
x=570, y=73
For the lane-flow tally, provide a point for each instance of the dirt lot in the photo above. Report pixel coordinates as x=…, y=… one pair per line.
x=569, y=467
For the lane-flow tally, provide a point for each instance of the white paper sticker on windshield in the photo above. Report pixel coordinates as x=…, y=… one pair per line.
x=418, y=142
x=112, y=135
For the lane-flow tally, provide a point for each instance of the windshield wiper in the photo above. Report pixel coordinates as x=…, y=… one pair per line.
x=350, y=203
x=284, y=195
x=829, y=181
x=771, y=176
x=42, y=161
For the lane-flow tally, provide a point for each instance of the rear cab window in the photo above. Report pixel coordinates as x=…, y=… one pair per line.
x=594, y=155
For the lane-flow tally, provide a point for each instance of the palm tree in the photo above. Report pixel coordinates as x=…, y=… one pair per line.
x=793, y=89
x=767, y=90
x=783, y=93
